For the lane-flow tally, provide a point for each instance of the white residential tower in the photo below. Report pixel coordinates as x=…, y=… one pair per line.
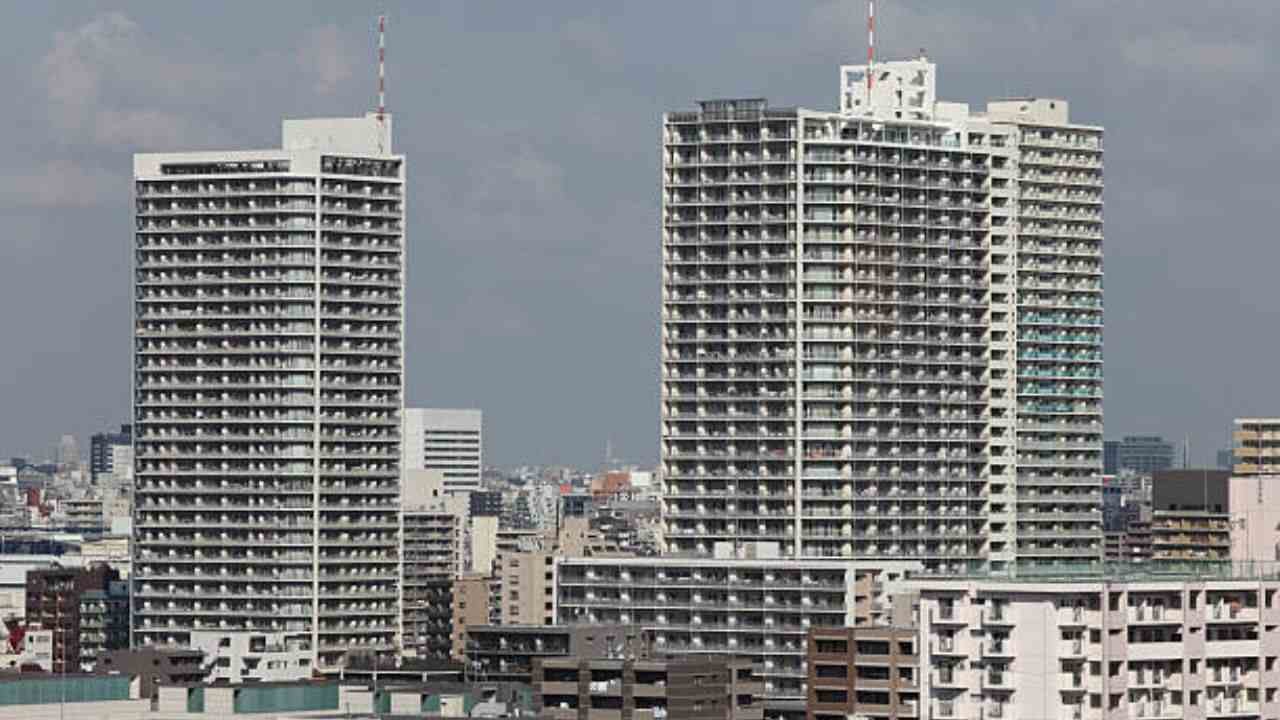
x=268, y=361
x=882, y=327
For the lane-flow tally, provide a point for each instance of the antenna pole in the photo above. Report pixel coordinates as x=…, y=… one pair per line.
x=871, y=44
x=382, y=67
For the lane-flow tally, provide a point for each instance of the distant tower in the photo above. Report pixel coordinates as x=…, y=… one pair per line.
x=68, y=451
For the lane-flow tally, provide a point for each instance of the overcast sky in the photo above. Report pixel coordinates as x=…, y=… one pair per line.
x=532, y=134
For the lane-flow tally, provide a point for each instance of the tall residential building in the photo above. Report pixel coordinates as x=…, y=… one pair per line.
x=102, y=447
x=882, y=327
x=267, y=392
x=1143, y=454
x=450, y=441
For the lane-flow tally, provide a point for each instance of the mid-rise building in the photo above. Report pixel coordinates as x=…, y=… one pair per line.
x=432, y=544
x=470, y=608
x=1142, y=454
x=1159, y=645
x=756, y=609
x=1256, y=446
x=646, y=689
x=268, y=356
x=1191, y=515
x=882, y=327
x=865, y=672
x=104, y=622
x=511, y=652
x=102, y=447
x=451, y=441
x=528, y=587
x=55, y=599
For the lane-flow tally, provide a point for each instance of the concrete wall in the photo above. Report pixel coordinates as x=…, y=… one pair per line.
x=1255, y=518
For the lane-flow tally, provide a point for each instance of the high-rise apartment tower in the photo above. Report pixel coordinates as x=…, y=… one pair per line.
x=882, y=327
x=268, y=369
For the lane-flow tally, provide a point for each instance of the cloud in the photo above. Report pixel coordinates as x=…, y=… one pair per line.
x=325, y=56
x=1178, y=50
x=60, y=184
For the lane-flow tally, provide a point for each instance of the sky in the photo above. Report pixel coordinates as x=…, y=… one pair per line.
x=532, y=136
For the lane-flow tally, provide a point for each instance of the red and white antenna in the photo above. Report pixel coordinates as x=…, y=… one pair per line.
x=382, y=67
x=871, y=44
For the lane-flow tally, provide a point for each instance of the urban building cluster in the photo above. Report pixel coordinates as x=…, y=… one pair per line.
x=883, y=492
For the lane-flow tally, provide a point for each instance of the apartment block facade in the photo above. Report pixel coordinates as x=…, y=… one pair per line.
x=268, y=367
x=869, y=672
x=1098, y=648
x=646, y=689
x=431, y=552
x=759, y=610
x=881, y=327
x=1256, y=445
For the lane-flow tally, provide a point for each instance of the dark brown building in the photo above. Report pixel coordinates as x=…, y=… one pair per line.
x=871, y=672
x=54, y=603
x=713, y=688
x=156, y=666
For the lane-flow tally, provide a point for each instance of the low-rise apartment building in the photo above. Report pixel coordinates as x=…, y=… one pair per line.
x=646, y=689
x=1099, y=648
x=867, y=672
x=758, y=609
x=509, y=652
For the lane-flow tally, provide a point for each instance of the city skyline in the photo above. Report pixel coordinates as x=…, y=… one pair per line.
x=539, y=230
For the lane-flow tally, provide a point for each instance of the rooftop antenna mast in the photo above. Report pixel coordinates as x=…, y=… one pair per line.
x=871, y=45
x=382, y=78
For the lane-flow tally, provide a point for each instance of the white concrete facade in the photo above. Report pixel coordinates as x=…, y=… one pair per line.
x=237, y=657
x=448, y=440
x=1099, y=649
x=881, y=328
x=269, y=348
x=758, y=609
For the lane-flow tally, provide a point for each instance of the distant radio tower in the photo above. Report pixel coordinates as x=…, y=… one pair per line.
x=871, y=44
x=382, y=81
x=382, y=66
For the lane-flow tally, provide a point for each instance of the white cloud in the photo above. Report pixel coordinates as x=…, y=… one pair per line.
x=325, y=56
x=1178, y=50
x=60, y=184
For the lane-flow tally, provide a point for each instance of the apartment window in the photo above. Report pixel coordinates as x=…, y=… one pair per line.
x=1114, y=603
x=833, y=696
x=1095, y=636
x=833, y=671
x=1193, y=599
